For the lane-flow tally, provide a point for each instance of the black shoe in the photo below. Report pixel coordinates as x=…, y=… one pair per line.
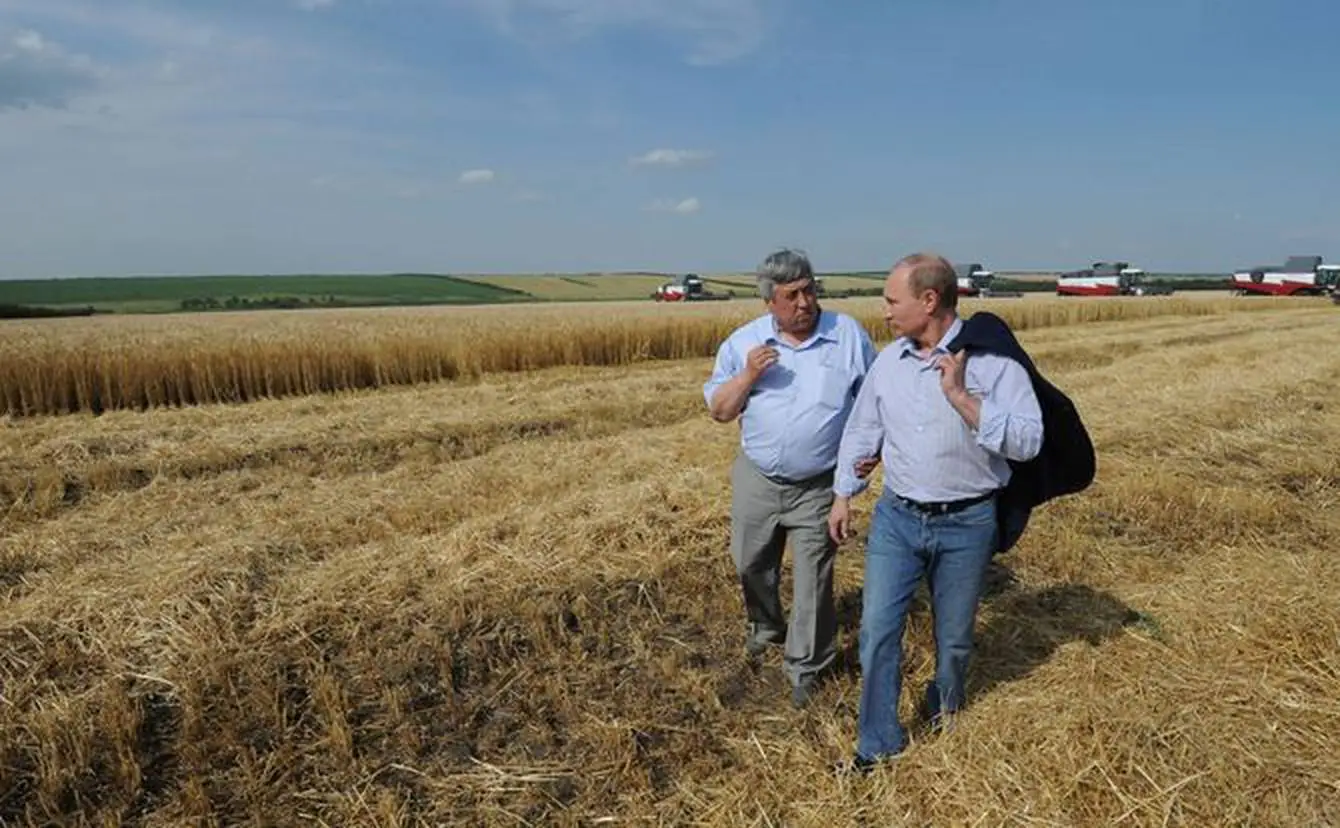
x=857, y=765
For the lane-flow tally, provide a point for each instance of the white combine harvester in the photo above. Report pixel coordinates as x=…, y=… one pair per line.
x=1299, y=276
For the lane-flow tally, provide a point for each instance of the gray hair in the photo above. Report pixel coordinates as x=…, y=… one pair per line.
x=782, y=268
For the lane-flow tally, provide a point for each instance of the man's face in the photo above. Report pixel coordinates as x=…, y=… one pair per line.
x=795, y=306
x=906, y=312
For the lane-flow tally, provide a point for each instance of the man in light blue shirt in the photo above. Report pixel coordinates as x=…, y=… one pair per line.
x=790, y=377
x=947, y=426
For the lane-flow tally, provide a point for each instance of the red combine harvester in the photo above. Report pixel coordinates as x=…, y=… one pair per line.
x=973, y=279
x=687, y=288
x=1103, y=279
x=1299, y=276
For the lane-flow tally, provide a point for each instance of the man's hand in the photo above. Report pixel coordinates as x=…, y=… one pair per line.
x=730, y=399
x=839, y=520
x=865, y=465
x=953, y=373
x=759, y=360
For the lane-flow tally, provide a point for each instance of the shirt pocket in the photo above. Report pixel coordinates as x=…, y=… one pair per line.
x=834, y=388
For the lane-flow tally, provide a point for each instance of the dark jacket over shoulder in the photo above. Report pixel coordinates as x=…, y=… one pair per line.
x=1065, y=465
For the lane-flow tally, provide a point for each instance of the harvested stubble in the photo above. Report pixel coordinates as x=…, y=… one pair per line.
x=94, y=365
x=346, y=610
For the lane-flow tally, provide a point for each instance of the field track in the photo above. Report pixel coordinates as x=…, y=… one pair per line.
x=509, y=601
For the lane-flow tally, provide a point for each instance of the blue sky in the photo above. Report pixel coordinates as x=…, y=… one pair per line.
x=267, y=136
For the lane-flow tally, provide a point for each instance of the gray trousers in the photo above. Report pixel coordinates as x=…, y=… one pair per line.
x=764, y=512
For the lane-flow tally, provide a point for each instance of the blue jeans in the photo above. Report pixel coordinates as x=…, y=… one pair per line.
x=952, y=551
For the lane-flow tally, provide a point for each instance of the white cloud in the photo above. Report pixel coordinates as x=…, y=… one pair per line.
x=138, y=23
x=477, y=176
x=35, y=72
x=717, y=31
x=683, y=207
x=29, y=41
x=114, y=148
x=670, y=158
x=313, y=5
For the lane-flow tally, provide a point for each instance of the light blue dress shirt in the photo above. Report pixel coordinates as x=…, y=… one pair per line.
x=792, y=420
x=928, y=451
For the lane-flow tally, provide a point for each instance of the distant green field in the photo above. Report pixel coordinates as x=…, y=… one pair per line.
x=195, y=293
x=168, y=292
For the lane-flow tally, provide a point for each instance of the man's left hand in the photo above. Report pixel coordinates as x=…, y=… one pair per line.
x=953, y=383
x=865, y=465
x=953, y=369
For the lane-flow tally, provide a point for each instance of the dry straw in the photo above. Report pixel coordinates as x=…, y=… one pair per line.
x=511, y=603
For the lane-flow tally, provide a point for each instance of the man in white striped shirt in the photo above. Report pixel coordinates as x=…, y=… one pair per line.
x=946, y=426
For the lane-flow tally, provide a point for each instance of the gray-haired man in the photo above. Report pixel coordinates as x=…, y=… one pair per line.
x=790, y=376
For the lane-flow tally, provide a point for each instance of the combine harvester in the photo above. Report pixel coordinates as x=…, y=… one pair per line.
x=1104, y=279
x=1299, y=276
x=973, y=279
x=687, y=288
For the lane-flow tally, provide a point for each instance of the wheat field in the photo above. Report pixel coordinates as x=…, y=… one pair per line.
x=508, y=599
x=144, y=362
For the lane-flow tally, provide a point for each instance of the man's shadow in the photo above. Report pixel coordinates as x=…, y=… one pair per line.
x=1024, y=629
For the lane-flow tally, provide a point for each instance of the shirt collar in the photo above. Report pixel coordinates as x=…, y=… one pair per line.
x=906, y=345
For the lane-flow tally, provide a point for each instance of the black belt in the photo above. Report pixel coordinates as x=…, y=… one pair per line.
x=944, y=507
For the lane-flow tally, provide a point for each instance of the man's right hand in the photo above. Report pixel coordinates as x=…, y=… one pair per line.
x=839, y=520
x=731, y=397
x=759, y=360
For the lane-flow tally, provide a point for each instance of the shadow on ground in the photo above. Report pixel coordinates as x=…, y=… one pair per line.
x=1023, y=627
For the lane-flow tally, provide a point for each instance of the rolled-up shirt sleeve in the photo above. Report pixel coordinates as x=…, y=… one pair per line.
x=726, y=367
x=862, y=436
x=1010, y=421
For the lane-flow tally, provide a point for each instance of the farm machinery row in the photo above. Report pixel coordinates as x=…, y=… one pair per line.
x=1298, y=276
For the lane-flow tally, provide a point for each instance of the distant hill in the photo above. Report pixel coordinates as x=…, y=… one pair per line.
x=159, y=293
